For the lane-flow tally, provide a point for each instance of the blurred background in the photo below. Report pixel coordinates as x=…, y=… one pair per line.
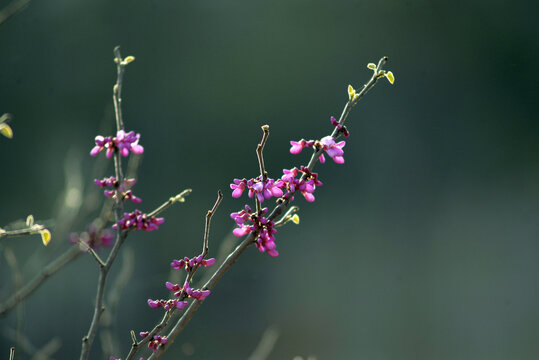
x=423, y=245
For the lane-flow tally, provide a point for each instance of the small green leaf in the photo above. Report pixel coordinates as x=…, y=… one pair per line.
x=5, y=130
x=371, y=66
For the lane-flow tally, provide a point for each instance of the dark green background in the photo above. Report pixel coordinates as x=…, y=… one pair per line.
x=423, y=245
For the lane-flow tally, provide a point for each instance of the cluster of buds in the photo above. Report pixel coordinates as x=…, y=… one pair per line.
x=264, y=189
x=119, y=188
x=155, y=342
x=188, y=291
x=327, y=143
x=167, y=304
x=138, y=221
x=94, y=237
x=249, y=222
x=189, y=264
x=122, y=142
x=340, y=127
x=306, y=184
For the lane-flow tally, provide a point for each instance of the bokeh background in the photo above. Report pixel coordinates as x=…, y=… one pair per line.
x=423, y=245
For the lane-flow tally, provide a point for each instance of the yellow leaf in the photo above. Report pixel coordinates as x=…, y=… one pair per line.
x=351, y=92
x=45, y=236
x=5, y=130
x=295, y=219
x=390, y=77
x=371, y=66
x=128, y=59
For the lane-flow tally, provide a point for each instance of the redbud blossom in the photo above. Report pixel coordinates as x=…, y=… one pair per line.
x=123, y=142
x=139, y=221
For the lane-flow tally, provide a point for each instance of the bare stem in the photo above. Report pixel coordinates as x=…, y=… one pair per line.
x=117, y=89
x=71, y=254
x=180, y=197
x=34, y=229
x=12, y=353
x=259, y=150
x=209, y=215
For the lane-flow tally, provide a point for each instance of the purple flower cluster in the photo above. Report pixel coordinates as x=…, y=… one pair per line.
x=185, y=292
x=123, y=142
x=139, y=221
x=333, y=150
x=167, y=304
x=193, y=293
x=189, y=264
x=263, y=189
x=306, y=184
x=95, y=237
x=118, y=188
x=156, y=341
x=248, y=222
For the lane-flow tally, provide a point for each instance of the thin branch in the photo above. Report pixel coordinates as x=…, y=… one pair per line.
x=95, y=256
x=71, y=254
x=249, y=239
x=178, y=198
x=12, y=353
x=11, y=9
x=260, y=149
x=117, y=89
x=34, y=229
x=209, y=215
x=136, y=346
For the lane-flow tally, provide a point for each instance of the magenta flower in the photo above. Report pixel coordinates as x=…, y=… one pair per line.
x=334, y=150
x=139, y=221
x=155, y=342
x=265, y=241
x=306, y=184
x=298, y=146
x=95, y=237
x=167, y=304
x=118, y=188
x=189, y=264
x=263, y=189
x=123, y=142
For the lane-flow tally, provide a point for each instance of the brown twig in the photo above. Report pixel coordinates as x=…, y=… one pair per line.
x=136, y=346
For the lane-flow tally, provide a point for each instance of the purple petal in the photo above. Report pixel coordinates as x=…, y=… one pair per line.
x=137, y=149
x=237, y=193
x=95, y=150
x=338, y=159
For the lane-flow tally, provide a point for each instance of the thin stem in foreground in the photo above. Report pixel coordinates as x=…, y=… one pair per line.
x=71, y=254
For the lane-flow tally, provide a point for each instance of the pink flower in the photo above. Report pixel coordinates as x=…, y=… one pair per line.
x=123, y=142
x=334, y=150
